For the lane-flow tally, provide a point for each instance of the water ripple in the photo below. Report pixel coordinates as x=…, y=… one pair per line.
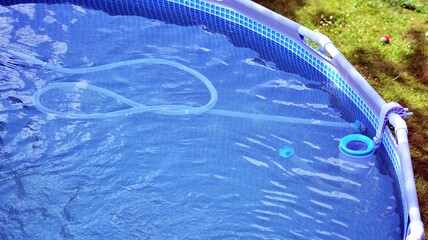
x=335, y=194
x=255, y=162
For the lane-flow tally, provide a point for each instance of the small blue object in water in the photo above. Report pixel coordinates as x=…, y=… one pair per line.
x=356, y=145
x=286, y=152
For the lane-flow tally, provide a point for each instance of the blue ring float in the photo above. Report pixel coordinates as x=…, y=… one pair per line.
x=357, y=145
x=286, y=152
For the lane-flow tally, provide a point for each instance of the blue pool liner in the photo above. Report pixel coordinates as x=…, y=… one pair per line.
x=328, y=61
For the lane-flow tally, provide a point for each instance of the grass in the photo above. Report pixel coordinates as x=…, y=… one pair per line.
x=398, y=71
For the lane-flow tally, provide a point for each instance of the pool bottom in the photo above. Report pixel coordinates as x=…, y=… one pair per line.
x=152, y=176
x=184, y=180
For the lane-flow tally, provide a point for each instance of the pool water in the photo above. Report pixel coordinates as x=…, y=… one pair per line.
x=154, y=176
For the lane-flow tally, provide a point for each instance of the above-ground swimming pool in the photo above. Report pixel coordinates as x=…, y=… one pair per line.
x=190, y=119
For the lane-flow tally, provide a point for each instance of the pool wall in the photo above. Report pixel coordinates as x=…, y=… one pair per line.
x=332, y=64
x=255, y=23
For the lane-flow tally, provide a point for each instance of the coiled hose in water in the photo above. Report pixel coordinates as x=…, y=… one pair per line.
x=136, y=107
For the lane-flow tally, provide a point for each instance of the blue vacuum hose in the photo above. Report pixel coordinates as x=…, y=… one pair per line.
x=136, y=107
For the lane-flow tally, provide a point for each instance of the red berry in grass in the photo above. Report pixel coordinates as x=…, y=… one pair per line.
x=385, y=39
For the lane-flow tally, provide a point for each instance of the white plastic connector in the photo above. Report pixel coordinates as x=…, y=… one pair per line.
x=386, y=111
x=416, y=229
x=324, y=43
x=400, y=127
